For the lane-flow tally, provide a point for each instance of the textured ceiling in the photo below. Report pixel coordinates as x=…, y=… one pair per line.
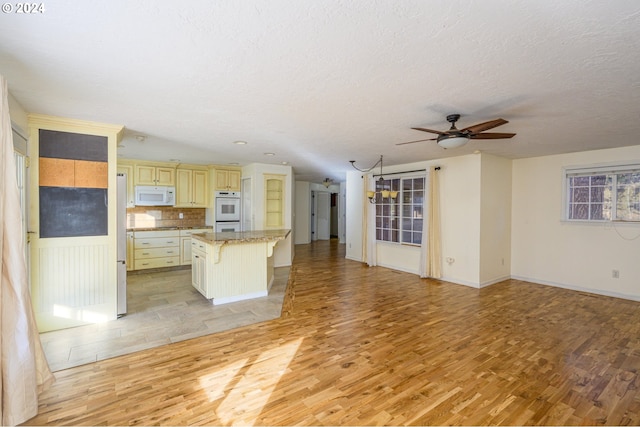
x=320, y=83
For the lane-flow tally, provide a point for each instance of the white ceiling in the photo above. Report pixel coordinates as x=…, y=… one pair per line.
x=323, y=82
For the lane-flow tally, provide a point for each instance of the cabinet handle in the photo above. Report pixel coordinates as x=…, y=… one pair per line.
x=145, y=263
x=169, y=252
x=169, y=262
x=145, y=243
x=145, y=253
x=169, y=241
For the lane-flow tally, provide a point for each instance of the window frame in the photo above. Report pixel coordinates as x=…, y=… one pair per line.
x=611, y=172
x=398, y=207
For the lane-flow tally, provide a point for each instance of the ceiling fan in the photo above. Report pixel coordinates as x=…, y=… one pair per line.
x=455, y=137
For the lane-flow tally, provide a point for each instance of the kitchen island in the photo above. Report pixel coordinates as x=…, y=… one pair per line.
x=234, y=266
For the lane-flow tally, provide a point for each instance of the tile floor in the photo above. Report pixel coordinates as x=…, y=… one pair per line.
x=162, y=308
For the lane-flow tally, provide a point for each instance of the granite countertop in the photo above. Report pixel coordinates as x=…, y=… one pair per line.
x=242, y=236
x=171, y=228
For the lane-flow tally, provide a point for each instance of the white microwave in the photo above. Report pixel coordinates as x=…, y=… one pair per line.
x=147, y=195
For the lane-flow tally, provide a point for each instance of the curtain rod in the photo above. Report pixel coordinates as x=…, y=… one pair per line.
x=398, y=173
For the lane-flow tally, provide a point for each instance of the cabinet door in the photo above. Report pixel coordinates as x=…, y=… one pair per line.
x=199, y=272
x=165, y=176
x=200, y=189
x=185, y=250
x=233, y=181
x=145, y=175
x=222, y=178
x=184, y=188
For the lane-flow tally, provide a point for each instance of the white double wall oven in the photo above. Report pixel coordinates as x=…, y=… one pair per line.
x=227, y=211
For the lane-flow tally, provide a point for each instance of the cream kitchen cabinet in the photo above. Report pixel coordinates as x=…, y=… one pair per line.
x=192, y=188
x=154, y=249
x=199, y=267
x=227, y=179
x=185, y=243
x=154, y=175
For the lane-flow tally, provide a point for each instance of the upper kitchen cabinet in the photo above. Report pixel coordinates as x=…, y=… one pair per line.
x=192, y=188
x=149, y=174
x=227, y=179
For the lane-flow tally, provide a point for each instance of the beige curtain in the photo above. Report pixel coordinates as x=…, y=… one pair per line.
x=370, y=209
x=24, y=368
x=364, y=218
x=431, y=252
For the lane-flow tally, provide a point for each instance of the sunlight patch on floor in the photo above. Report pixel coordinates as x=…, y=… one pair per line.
x=254, y=380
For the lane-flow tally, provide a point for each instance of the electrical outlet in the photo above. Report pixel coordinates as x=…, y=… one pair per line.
x=615, y=274
x=181, y=215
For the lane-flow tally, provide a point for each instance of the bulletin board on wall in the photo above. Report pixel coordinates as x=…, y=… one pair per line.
x=73, y=175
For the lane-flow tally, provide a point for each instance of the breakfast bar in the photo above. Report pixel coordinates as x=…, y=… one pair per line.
x=234, y=266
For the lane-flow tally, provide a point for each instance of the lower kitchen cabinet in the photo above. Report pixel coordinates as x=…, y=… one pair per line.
x=154, y=249
x=199, y=267
x=185, y=243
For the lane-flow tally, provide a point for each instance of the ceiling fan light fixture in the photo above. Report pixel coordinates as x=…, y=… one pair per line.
x=452, y=141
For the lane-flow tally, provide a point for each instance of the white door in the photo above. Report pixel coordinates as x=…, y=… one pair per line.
x=72, y=226
x=247, y=210
x=324, y=215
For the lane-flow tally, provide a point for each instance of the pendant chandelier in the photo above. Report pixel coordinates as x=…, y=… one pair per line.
x=371, y=195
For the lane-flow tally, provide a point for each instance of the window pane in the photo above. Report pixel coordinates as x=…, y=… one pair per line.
x=597, y=194
x=580, y=211
x=580, y=194
x=628, y=196
x=581, y=181
x=596, y=212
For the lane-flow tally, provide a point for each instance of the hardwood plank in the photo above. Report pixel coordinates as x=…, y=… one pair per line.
x=368, y=346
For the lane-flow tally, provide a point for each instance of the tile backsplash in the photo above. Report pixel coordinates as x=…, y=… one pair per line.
x=161, y=216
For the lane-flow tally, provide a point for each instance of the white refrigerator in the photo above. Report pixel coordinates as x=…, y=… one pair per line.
x=122, y=243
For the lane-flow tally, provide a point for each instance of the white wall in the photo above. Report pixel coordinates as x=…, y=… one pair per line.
x=495, y=219
x=580, y=256
x=302, y=213
x=460, y=217
x=354, y=197
x=18, y=115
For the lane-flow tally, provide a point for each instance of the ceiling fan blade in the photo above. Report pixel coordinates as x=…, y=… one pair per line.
x=430, y=130
x=491, y=135
x=419, y=140
x=481, y=127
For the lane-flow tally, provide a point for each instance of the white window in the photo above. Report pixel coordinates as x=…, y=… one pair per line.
x=400, y=220
x=603, y=193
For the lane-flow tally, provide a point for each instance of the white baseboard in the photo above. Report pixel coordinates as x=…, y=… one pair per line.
x=236, y=298
x=578, y=288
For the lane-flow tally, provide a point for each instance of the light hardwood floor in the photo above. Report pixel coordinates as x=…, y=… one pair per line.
x=369, y=346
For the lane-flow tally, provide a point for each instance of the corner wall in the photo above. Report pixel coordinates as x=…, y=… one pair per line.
x=545, y=249
x=495, y=219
